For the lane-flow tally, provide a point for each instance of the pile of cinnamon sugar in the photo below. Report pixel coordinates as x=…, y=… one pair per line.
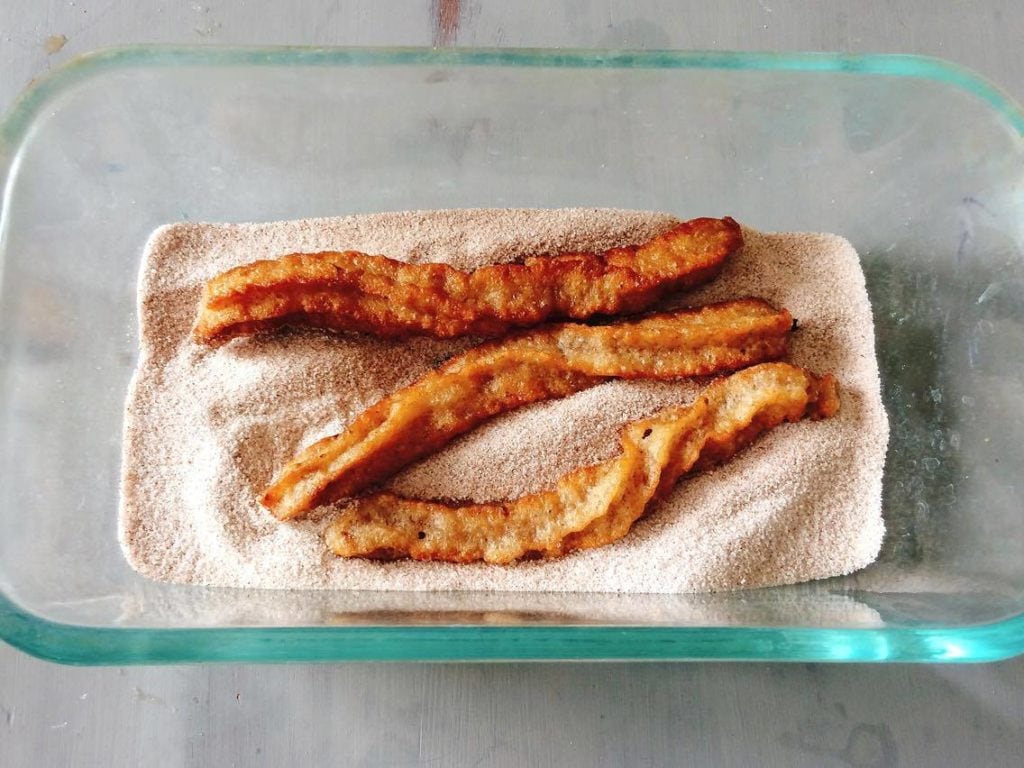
x=205, y=430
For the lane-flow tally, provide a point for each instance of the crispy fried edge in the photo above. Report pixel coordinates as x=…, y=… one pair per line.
x=353, y=291
x=496, y=377
x=596, y=505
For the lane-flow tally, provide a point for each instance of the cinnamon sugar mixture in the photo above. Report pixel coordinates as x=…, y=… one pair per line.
x=205, y=430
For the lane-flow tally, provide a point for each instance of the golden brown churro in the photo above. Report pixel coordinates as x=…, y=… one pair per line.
x=499, y=376
x=595, y=505
x=353, y=291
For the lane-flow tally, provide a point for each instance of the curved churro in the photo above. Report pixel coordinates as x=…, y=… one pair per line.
x=495, y=377
x=353, y=291
x=595, y=505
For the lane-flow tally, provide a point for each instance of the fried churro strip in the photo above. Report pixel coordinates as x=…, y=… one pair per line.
x=495, y=377
x=595, y=505
x=353, y=291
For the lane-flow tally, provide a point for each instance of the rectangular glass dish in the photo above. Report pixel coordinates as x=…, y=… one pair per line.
x=919, y=163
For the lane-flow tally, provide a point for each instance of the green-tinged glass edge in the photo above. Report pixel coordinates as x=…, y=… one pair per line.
x=69, y=644
x=73, y=644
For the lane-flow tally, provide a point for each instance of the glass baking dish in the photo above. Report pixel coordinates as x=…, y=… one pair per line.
x=916, y=161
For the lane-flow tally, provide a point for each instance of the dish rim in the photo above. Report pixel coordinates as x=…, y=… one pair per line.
x=86, y=645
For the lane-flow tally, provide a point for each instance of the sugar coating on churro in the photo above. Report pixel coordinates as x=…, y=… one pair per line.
x=206, y=430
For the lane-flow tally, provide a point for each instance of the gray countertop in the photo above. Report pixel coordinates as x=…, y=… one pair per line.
x=557, y=714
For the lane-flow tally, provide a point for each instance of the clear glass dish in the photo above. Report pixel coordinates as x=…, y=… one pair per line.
x=918, y=162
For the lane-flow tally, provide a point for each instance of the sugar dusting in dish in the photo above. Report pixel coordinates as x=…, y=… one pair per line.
x=205, y=430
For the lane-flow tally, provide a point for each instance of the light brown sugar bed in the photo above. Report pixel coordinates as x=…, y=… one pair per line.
x=206, y=429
